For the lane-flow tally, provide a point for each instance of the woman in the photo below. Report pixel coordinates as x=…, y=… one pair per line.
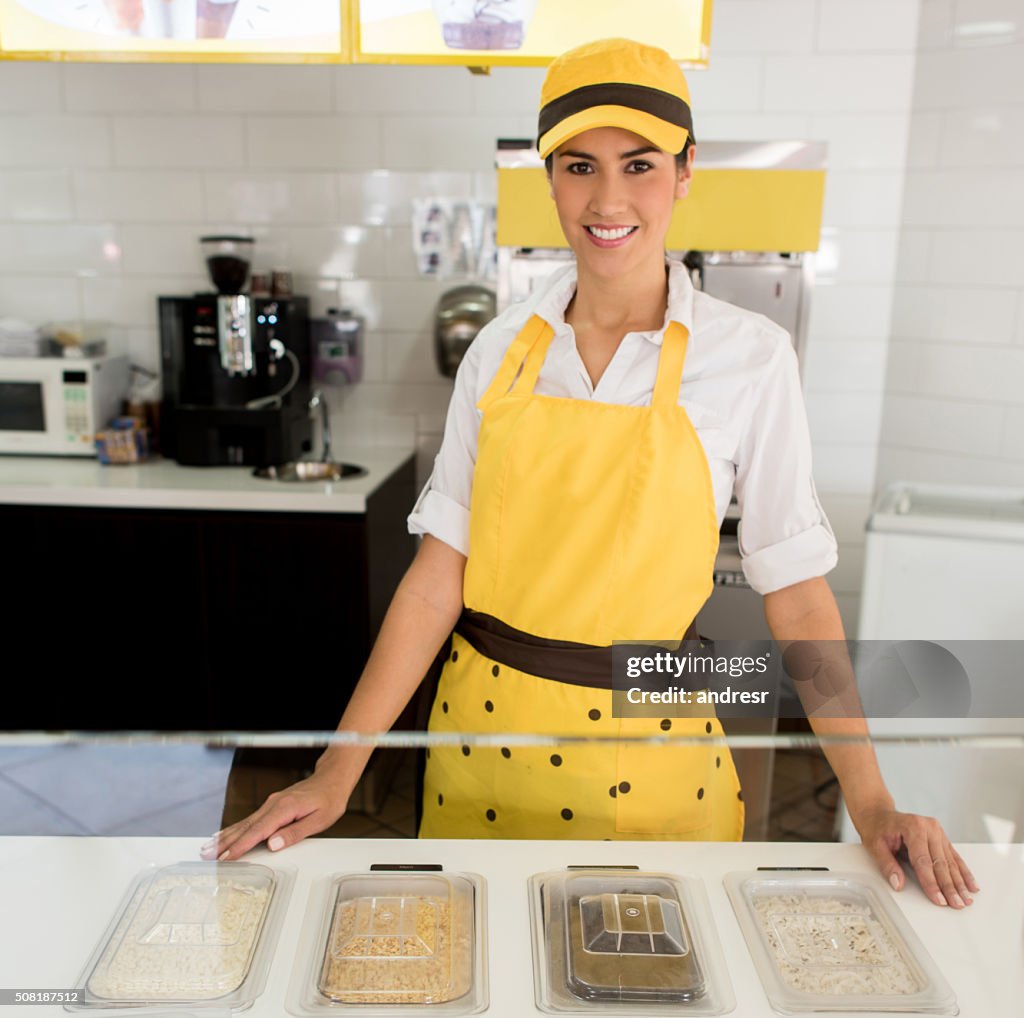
x=594, y=440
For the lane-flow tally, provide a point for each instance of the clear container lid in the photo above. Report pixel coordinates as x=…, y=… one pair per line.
x=188, y=933
x=611, y=938
x=834, y=942
x=399, y=937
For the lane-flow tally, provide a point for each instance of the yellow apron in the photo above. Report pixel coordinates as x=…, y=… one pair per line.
x=589, y=523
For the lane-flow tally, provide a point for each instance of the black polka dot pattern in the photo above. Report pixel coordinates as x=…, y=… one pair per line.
x=567, y=814
x=465, y=751
x=488, y=706
x=455, y=656
x=624, y=787
x=495, y=671
x=707, y=728
x=718, y=761
x=613, y=791
x=700, y=793
x=444, y=706
x=739, y=795
x=440, y=799
x=556, y=760
x=666, y=725
x=491, y=815
x=506, y=752
x=594, y=714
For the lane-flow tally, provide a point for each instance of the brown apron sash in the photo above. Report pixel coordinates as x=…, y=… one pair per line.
x=578, y=664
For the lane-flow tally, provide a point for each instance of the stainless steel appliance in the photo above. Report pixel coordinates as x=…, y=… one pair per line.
x=236, y=369
x=55, y=405
x=461, y=313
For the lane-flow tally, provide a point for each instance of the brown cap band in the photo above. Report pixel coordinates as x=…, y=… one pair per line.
x=662, y=105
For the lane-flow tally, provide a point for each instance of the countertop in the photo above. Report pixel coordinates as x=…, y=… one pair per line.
x=163, y=484
x=60, y=893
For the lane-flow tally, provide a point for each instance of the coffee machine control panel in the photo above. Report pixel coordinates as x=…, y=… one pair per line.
x=234, y=317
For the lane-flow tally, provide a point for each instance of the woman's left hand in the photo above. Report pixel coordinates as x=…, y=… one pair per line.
x=941, y=871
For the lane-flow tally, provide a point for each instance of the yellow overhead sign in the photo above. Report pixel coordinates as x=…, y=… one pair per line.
x=172, y=30
x=521, y=32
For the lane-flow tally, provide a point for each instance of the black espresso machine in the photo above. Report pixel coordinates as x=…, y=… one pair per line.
x=236, y=369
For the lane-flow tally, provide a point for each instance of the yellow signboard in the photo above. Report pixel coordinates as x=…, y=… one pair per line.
x=521, y=32
x=726, y=210
x=173, y=30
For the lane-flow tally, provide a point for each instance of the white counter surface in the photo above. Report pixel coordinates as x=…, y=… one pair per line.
x=59, y=894
x=163, y=484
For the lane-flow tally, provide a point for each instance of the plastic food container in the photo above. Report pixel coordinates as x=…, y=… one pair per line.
x=189, y=934
x=835, y=942
x=619, y=940
x=396, y=938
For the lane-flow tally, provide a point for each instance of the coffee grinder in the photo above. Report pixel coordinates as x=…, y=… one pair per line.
x=236, y=369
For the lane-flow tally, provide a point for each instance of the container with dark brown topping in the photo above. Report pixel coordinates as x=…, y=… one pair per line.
x=621, y=940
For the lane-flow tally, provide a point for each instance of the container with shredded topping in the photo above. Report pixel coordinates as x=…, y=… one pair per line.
x=834, y=942
x=186, y=934
x=409, y=939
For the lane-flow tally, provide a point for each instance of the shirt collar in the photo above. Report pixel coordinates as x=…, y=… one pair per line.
x=560, y=287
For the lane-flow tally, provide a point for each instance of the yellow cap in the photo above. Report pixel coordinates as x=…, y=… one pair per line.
x=615, y=83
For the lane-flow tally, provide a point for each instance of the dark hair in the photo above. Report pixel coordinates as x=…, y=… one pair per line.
x=681, y=157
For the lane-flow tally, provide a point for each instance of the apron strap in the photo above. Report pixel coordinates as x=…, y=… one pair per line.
x=670, y=366
x=535, y=334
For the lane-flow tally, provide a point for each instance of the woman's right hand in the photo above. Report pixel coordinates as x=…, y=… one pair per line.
x=303, y=809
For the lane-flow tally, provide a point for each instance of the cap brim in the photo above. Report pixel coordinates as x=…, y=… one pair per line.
x=666, y=136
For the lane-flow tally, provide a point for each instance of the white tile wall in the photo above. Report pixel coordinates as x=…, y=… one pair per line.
x=266, y=197
x=952, y=198
x=134, y=196
x=120, y=88
x=839, y=83
x=962, y=315
x=35, y=195
x=869, y=26
x=267, y=89
x=110, y=173
x=748, y=27
x=51, y=140
x=29, y=88
x=160, y=142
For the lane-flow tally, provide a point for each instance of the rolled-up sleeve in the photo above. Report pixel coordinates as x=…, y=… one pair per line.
x=442, y=509
x=784, y=535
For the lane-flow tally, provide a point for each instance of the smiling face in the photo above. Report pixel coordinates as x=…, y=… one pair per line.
x=615, y=193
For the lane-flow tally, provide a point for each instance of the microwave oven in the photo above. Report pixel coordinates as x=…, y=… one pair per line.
x=53, y=406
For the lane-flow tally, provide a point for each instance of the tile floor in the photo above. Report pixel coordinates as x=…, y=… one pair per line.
x=188, y=790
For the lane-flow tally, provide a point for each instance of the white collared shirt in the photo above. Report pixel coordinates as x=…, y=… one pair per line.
x=740, y=388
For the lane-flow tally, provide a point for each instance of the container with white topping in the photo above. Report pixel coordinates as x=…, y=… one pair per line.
x=834, y=942
x=394, y=939
x=194, y=933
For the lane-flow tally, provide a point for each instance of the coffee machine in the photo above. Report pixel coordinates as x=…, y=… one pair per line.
x=236, y=369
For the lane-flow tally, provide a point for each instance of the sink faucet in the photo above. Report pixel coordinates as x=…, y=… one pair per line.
x=316, y=401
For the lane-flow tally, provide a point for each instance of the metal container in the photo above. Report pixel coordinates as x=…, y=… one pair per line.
x=461, y=313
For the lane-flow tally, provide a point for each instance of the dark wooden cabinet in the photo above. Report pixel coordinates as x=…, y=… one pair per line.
x=167, y=620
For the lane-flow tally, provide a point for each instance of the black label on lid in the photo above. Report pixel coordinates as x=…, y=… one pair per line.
x=404, y=867
x=606, y=866
x=793, y=869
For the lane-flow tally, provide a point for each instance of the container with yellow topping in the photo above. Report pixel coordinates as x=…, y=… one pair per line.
x=394, y=939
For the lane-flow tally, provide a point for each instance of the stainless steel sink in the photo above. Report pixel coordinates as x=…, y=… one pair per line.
x=309, y=470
